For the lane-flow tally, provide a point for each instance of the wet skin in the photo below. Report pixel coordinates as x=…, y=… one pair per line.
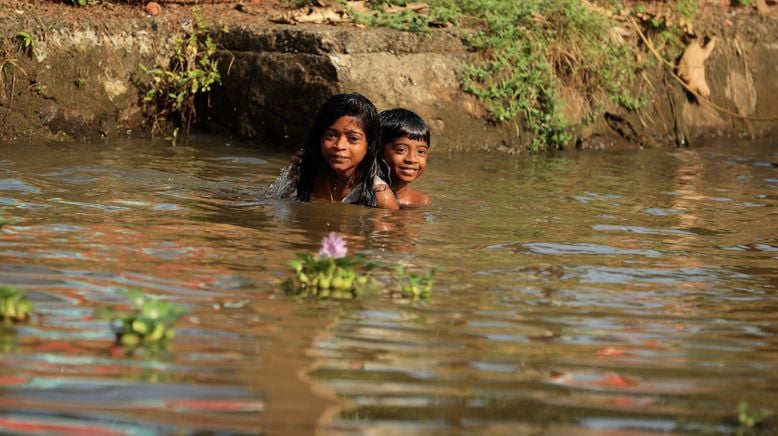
x=407, y=159
x=343, y=147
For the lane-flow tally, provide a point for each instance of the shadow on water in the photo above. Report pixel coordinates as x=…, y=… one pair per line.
x=621, y=292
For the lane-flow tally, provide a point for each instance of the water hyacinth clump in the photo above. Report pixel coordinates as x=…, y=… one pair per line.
x=149, y=323
x=414, y=285
x=331, y=273
x=14, y=306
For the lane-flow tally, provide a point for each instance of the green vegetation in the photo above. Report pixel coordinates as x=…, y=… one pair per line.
x=334, y=274
x=170, y=94
x=150, y=322
x=80, y=82
x=526, y=52
x=331, y=273
x=79, y=2
x=14, y=306
x=414, y=285
x=667, y=30
x=747, y=419
x=26, y=42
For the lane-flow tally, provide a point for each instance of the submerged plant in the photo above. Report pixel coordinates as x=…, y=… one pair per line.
x=414, y=285
x=14, y=306
x=331, y=273
x=149, y=323
x=748, y=419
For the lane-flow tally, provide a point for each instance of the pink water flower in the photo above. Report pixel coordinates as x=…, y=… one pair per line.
x=333, y=246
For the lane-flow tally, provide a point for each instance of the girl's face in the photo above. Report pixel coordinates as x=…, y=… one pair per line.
x=344, y=145
x=407, y=158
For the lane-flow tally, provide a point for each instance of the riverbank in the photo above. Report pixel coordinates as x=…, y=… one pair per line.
x=79, y=75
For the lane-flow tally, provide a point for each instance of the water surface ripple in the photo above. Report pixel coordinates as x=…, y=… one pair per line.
x=623, y=292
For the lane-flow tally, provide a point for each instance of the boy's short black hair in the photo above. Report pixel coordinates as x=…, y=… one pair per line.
x=403, y=123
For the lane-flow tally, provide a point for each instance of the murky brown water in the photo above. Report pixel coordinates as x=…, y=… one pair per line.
x=621, y=293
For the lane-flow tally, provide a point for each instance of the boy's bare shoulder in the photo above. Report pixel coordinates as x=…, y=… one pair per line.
x=414, y=199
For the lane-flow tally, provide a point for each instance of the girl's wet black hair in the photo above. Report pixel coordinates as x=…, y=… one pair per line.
x=358, y=106
x=403, y=123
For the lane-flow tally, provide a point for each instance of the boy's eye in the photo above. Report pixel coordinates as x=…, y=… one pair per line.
x=421, y=151
x=400, y=150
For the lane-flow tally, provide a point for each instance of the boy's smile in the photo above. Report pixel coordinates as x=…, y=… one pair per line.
x=407, y=159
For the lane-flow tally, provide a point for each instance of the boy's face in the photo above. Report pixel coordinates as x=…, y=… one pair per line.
x=406, y=157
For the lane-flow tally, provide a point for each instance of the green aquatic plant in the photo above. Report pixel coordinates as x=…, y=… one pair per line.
x=150, y=322
x=14, y=305
x=331, y=273
x=748, y=419
x=414, y=285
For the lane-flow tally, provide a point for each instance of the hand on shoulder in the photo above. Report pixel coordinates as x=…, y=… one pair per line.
x=385, y=198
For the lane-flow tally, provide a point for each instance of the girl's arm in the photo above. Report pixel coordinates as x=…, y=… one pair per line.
x=385, y=198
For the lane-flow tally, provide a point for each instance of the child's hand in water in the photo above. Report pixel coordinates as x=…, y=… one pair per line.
x=297, y=162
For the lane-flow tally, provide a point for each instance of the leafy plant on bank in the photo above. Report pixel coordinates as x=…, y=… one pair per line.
x=668, y=28
x=526, y=51
x=150, y=322
x=26, y=42
x=170, y=94
x=438, y=14
x=14, y=305
x=529, y=50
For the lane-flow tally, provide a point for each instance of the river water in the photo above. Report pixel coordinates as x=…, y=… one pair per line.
x=619, y=293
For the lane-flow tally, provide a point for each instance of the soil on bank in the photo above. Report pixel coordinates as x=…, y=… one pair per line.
x=215, y=11
x=256, y=12
x=86, y=90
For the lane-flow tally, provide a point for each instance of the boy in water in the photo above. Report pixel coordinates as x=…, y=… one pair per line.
x=406, y=143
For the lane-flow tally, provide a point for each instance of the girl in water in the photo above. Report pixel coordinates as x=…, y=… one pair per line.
x=341, y=161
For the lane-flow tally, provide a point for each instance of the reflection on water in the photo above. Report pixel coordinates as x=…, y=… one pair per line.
x=625, y=292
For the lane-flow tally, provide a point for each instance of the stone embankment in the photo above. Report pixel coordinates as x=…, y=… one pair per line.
x=81, y=81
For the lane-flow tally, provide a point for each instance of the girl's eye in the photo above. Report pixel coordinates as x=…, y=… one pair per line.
x=353, y=139
x=329, y=135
